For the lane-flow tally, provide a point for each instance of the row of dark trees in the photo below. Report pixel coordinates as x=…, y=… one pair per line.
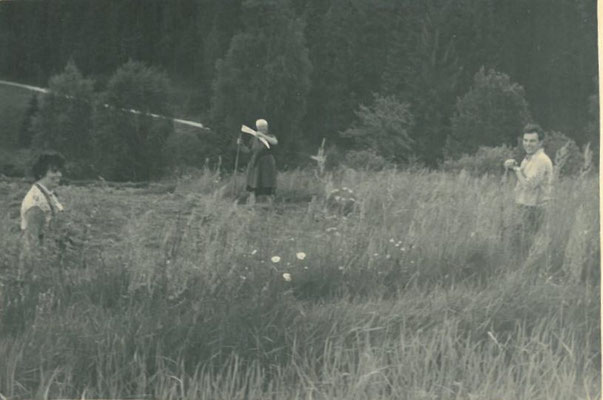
x=97, y=132
x=407, y=79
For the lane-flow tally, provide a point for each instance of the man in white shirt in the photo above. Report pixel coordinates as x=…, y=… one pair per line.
x=534, y=183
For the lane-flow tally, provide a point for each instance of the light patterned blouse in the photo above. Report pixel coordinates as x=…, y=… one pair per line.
x=39, y=196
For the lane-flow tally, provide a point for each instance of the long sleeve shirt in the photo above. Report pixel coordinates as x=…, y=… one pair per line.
x=535, y=180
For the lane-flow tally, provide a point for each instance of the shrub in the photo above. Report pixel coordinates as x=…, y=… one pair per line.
x=185, y=149
x=130, y=146
x=564, y=152
x=384, y=128
x=15, y=163
x=493, y=112
x=63, y=121
x=365, y=160
x=486, y=160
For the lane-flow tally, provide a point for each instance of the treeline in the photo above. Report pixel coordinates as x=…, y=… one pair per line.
x=397, y=79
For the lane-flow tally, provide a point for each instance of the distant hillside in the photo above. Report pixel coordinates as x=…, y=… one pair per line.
x=13, y=104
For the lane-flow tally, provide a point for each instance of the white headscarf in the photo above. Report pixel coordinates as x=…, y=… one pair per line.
x=261, y=123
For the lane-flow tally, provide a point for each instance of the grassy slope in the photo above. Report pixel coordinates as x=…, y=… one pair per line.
x=413, y=296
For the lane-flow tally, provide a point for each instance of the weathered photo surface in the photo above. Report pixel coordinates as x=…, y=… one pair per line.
x=299, y=199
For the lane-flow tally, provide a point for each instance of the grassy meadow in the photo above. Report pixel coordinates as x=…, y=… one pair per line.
x=173, y=290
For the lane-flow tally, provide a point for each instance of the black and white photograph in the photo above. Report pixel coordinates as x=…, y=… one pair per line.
x=300, y=200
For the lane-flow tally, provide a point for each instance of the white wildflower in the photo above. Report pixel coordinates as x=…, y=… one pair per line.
x=275, y=259
x=287, y=276
x=301, y=255
x=254, y=252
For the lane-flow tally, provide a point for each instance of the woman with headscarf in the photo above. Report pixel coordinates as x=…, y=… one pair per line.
x=261, y=169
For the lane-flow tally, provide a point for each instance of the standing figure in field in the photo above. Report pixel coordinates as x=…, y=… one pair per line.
x=261, y=170
x=39, y=208
x=534, y=185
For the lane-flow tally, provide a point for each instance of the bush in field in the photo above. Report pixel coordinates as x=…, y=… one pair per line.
x=591, y=130
x=185, y=149
x=384, y=128
x=493, y=112
x=564, y=152
x=129, y=146
x=486, y=160
x=63, y=121
x=15, y=163
x=26, y=132
x=365, y=160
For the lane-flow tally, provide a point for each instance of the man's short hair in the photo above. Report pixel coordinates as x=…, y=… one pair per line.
x=534, y=128
x=45, y=161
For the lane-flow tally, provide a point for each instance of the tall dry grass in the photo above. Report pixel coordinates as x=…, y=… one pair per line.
x=416, y=294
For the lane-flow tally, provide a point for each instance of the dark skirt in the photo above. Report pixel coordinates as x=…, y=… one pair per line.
x=261, y=175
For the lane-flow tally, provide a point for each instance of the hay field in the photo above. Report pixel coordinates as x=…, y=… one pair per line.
x=175, y=291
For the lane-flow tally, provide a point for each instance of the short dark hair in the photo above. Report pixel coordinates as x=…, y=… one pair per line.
x=534, y=128
x=45, y=161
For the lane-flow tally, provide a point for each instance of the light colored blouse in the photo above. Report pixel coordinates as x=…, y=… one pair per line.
x=39, y=196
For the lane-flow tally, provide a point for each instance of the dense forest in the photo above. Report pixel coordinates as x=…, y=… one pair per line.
x=326, y=69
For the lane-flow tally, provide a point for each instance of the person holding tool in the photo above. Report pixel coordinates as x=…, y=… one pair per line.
x=261, y=169
x=534, y=185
